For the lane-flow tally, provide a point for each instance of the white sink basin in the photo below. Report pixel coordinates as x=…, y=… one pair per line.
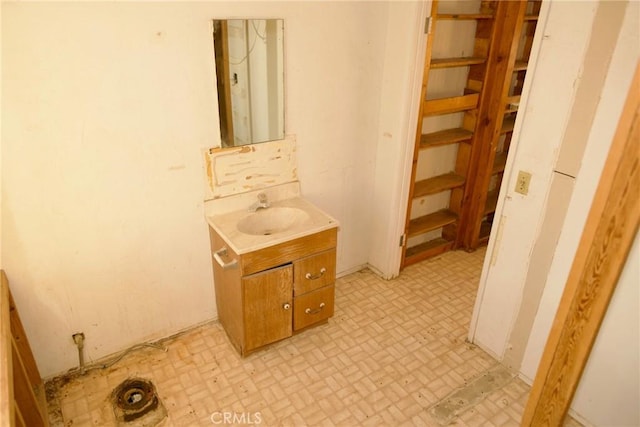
x=265, y=222
x=289, y=217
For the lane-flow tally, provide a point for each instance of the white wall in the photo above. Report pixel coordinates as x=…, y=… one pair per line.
x=545, y=109
x=333, y=86
x=106, y=108
x=610, y=386
x=609, y=390
x=603, y=391
x=605, y=122
x=587, y=90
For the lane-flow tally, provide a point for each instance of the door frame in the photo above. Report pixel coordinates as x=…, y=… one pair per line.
x=495, y=236
x=403, y=188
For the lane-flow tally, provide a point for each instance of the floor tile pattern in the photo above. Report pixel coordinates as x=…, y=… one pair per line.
x=392, y=350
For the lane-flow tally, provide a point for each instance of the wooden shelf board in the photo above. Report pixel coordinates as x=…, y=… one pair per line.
x=464, y=16
x=491, y=202
x=531, y=17
x=427, y=250
x=512, y=104
x=444, y=137
x=449, y=105
x=520, y=66
x=508, y=124
x=456, y=62
x=437, y=184
x=431, y=222
x=513, y=99
x=499, y=163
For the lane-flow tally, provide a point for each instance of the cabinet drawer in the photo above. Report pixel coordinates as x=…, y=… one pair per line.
x=314, y=272
x=313, y=307
x=285, y=252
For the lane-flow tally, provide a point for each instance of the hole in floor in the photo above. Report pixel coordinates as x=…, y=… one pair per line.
x=134, y=399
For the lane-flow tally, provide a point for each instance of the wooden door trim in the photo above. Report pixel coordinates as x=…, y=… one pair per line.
x=426, y=67
x=607, y=237
x=223, y=75
x=7, y=418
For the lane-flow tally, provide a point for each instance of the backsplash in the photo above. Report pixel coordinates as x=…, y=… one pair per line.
x=238, y=170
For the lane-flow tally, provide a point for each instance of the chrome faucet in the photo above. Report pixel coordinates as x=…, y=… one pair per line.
x=262, y=203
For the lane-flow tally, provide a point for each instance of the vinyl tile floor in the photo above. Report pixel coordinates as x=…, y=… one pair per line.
x=392, y=351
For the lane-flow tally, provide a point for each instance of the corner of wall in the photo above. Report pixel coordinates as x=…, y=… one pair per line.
x=396, y=132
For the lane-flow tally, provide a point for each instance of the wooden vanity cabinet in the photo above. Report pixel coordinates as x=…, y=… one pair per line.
x=270, y=294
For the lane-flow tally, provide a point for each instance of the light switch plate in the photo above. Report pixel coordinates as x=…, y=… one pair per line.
x=522, y=184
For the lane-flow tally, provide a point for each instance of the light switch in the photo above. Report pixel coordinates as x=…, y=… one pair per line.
x=522, y=184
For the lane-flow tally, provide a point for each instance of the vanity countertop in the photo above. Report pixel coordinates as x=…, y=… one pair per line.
x=227, y=225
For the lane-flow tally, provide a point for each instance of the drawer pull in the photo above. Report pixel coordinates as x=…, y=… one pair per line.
x=310, y=276
x=286, y=306
x=225, y=265
x=316, y=311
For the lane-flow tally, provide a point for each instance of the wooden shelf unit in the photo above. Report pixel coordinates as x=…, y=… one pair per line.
x=515, y=99
x=485, y=230
x=510, y=108
x=446, y=218
x=491, y=202
x=514, y=92
x=499, y=163
x=507, y=125
x=520, y=66
x=496, y=68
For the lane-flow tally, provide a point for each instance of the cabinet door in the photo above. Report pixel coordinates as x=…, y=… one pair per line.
x=267, y=306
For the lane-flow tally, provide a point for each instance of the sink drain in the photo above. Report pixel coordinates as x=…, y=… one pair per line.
x=135, y=398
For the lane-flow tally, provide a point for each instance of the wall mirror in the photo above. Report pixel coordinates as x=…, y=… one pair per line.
x=250, y=79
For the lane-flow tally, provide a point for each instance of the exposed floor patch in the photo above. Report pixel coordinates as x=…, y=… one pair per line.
x=470, y=395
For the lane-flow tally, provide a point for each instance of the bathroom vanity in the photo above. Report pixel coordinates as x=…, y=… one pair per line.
x=274, y=268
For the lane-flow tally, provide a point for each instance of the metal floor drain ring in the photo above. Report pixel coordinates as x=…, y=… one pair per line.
x=134, y=398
